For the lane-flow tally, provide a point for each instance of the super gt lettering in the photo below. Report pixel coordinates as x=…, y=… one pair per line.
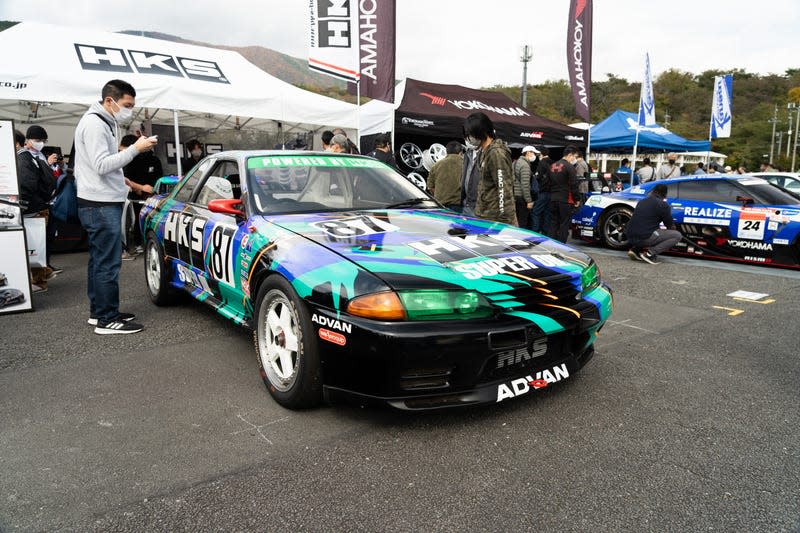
x=524, y=385
x=490, y=267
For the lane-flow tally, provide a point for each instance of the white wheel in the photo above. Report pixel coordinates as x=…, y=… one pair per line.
x=427, y=160
x=417, y=180
x=411, y=155
x=287, y=350
x=438, y=152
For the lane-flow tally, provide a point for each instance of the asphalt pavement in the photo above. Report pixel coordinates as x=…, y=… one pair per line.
x=687, y=418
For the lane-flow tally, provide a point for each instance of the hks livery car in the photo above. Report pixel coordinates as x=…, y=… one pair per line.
x=357, y=282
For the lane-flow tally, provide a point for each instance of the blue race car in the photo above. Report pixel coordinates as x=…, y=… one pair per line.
x=734, y=217
x=355, y=282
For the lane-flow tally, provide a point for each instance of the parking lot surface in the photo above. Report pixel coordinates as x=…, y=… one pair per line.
x=687, y=418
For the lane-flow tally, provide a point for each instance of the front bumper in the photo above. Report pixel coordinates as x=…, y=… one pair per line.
x=430, y=365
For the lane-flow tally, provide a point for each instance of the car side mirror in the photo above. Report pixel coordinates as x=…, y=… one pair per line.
x=745, y=200
x=226, y=206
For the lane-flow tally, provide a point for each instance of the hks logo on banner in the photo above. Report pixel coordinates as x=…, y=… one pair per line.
x=352, y=40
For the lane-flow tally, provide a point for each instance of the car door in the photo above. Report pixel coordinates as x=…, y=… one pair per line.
x=714, y=217
x=174, y=225
x=215, y=237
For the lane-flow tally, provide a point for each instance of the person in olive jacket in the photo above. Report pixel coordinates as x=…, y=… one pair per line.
x=496, y=186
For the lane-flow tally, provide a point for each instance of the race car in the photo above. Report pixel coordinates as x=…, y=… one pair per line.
x=355, y=282
x=733, y=217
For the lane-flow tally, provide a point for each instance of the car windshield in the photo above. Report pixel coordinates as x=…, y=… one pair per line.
x=768, y=193
x=319, y=183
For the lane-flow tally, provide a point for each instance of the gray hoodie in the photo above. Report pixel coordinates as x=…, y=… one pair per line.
x=98, y=161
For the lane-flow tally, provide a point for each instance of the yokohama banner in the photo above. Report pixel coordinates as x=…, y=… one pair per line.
x=352, y=39
x=579, y=55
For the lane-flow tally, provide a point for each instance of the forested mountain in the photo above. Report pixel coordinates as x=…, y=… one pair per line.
x=686, y=98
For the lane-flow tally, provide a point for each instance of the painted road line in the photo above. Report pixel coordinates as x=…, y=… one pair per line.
x=733, y=312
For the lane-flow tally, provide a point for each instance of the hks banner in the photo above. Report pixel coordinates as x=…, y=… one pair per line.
x=579, y=55
x=352, y=39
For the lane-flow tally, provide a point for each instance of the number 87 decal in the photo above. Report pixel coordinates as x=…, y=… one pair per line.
x=220, y=262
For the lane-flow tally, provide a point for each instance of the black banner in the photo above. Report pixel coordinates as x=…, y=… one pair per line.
x=579, y=55
x=376, y=45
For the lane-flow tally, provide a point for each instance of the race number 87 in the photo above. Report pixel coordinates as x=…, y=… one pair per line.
x=221, y=257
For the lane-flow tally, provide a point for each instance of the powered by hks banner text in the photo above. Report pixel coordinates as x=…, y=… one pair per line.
x=352, y=39
x=579, y=55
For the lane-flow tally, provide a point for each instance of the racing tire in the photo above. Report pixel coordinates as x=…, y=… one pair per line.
x=288, y=355
x=156, y=274
x=612, y=227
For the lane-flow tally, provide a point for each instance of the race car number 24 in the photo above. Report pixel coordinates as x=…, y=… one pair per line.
x=751, y=225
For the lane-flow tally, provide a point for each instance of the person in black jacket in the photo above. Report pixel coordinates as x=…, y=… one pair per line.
x=644, y=232
x=36, y=187
x=564, y=194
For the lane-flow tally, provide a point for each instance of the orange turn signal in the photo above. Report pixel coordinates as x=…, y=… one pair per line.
x=378, y=306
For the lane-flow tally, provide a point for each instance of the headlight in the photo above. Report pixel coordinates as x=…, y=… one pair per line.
x=423, y=304
x=590, y=277
x=431, y=304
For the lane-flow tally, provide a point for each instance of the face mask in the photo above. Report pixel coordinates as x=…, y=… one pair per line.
x=472, y=142
x=124, y=113
x=37, y=145
x=197, y=153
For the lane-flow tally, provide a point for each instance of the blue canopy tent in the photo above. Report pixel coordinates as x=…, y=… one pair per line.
x=617, y=132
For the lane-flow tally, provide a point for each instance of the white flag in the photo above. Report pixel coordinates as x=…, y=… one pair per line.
x=334, y=36
x=721, y=116
x=647, y=105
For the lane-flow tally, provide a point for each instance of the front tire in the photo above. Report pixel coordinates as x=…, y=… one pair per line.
x=287, y=350
x=612, y=229
x=156, y=273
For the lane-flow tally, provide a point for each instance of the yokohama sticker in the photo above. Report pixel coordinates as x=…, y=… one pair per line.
x=332, y=336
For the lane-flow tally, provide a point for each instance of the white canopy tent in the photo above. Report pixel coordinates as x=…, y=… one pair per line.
x=50, y=74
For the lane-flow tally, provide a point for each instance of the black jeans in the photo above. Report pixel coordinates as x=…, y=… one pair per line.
x=560, y=217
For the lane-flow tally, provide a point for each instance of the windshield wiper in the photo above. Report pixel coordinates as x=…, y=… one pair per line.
x=411, y=202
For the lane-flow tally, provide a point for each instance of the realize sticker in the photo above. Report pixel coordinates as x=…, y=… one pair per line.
x=751, y=225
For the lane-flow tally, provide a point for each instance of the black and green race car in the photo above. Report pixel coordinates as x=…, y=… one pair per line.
x=358, y=283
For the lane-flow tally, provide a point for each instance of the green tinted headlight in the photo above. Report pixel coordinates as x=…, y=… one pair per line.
x=590, y=277
x=431, y=304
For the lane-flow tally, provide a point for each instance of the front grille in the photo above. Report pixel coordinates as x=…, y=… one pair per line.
x=514, y=362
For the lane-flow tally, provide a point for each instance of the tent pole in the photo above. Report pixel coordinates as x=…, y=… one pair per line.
x=589, y=146
x=633, y=159
x=710, y=126
x=178, y=151
x=358, y=111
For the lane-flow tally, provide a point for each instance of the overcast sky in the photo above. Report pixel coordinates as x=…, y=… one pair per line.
x=475, y=43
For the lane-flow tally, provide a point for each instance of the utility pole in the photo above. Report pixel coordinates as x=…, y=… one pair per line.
x=774, y=121
x=794, y=144
x=790, y=106
x=780, y=142
x=527, y=55
x=666, y=119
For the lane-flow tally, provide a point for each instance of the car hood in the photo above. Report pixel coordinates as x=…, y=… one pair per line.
x=438, y=249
